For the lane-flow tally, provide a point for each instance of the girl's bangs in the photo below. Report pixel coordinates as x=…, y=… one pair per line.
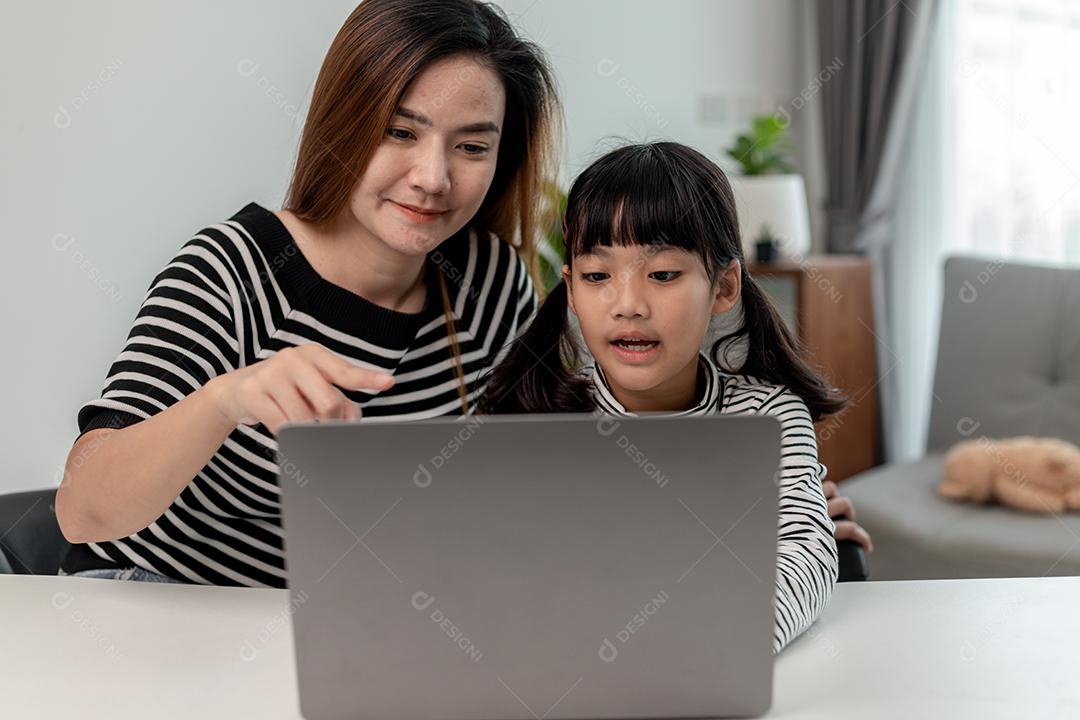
x=634, y=200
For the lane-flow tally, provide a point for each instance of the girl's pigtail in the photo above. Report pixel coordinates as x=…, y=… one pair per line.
x=539, y=372
x=774, y=355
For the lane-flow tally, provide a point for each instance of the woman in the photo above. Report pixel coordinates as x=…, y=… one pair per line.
x=387, y=283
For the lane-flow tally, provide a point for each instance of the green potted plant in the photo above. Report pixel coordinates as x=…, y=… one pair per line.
x=769, y=195
x=764, y=149
x=550, y=250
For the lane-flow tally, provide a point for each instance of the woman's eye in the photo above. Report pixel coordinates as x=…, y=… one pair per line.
x=474, y=149
x=399, y=133
x=594, y=277
x=665, y=275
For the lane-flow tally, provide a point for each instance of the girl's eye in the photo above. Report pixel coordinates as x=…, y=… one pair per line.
x=474, y=149
x=665, y=275
x=399, y=133
x=594, y=277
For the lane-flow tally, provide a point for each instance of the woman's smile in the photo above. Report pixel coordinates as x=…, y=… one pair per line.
x=418, y=215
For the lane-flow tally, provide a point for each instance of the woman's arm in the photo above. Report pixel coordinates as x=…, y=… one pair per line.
x=116, y=482
x=134, y=474
x=181, y=378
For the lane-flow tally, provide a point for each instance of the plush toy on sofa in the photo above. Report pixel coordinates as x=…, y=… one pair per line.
x=1029, y=473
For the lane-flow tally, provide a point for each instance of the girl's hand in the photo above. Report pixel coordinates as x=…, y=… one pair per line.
x=295, y=384
x=842, y=512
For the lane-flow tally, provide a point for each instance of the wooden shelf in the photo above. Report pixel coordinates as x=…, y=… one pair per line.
x=827, y=302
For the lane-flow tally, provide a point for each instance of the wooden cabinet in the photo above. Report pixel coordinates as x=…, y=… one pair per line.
x=827, y=302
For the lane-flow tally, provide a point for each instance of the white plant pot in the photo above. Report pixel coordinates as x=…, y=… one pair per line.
x=776, y=201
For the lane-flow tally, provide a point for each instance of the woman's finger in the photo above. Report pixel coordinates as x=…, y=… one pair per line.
x=841, y=507
x=350, y=377
x=848, y=530
x=829, y=488
x=328, y=402
x=289, y=399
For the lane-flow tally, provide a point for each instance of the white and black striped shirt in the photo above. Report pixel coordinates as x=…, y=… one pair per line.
x=238, y=293
x=806, y=561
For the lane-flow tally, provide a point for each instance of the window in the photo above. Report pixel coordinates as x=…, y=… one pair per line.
x=1016, y=139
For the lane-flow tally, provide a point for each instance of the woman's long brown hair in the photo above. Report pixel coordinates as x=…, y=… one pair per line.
x=382, y=47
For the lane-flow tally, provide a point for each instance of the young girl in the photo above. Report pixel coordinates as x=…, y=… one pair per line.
x=652, y=254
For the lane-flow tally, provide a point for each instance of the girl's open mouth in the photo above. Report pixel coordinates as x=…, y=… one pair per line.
x=635, y=349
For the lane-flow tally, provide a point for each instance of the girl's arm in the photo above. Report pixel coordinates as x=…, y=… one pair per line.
x=806, y=562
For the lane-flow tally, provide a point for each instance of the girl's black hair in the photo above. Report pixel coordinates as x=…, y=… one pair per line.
x=650, y=194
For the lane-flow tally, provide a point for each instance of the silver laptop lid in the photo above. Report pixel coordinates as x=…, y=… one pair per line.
x=532, y=566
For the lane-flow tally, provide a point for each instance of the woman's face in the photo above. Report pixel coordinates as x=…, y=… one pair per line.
x=436, y=161
x=644, y=311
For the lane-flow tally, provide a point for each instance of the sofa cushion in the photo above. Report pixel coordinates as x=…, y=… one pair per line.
x=918, y=534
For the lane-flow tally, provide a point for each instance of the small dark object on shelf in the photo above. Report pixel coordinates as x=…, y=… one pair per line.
x=765, y=251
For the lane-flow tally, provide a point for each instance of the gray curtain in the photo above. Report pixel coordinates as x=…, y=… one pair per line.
x=866, y=108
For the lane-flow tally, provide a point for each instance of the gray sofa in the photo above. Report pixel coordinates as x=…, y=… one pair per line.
x=1008, y=364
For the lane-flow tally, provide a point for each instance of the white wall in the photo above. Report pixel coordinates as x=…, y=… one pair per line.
x=162, y=136
x=128, y=126
x=694, y=71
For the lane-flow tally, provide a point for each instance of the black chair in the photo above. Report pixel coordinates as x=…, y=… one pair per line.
x=853, y=565
x=30, y=539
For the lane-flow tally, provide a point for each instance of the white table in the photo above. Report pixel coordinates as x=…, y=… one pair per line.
x=75, y=647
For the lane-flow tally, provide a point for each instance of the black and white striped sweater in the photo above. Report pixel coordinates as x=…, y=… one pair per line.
x=806, y=562
x=236, y=294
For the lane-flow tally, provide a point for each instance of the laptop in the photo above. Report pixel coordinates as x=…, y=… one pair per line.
x=540, y=566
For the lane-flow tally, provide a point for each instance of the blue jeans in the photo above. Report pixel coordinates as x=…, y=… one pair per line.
x=129, y=573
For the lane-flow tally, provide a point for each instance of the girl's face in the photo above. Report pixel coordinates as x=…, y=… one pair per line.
x=644, y=311
x=436, y=162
